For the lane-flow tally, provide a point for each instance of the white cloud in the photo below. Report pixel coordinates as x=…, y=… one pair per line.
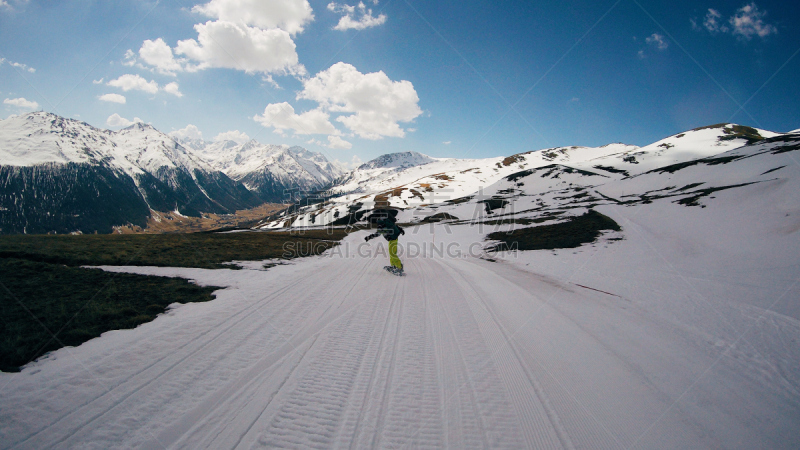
x=22, y=67
x=113, y=98
x=172, y=88
x=130, y=82
x=235, y=46
x=115, y=120
x=658, y=41
x=355, y=161
x=712, y=22
x=190, y=132
x=335, y=142
x=100, y=81
x=7, y=4
x=159, y=55
x=288, y=15
x=749, y=22
x=130, y=58
x=378, y=103
x=355, y=17
x=447, y=142
x=235, y=135
x=22, y=103
x=339, y=143
x=281, y=116
x=640, y=54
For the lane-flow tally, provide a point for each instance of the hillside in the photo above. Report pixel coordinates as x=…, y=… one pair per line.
x=531, y=185
x=62, y=176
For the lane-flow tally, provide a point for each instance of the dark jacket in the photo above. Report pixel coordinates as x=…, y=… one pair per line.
x=388, y=228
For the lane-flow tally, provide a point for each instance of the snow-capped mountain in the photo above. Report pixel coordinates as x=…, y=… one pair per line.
x=401, y=160
x=528, y=185
x=268, y=170
x=63, y=175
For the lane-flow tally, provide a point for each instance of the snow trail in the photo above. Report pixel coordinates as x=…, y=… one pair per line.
x=333, y=352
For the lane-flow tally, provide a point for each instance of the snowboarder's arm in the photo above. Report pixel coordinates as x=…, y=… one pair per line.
x=373, y=235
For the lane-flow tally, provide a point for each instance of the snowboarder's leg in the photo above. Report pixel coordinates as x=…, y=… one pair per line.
x=393, y=259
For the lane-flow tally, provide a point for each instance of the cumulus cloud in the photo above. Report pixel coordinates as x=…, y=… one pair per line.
x=22, y=67
x=288, y=15
x=113, y=98
x=189, y=132
x=172, y=88
x=22, y=103
x=159, y=55
x=235, y=46
x=115, y=120
x=657, y=41
x=234, y=135
x=355, y=17
x=130, y=82
x=712, y=22
x=335, y=142
x=377, y=102
x=129, y=59
x=747, y=23
x=339, y=143
x=281, y=116
x=8, y=4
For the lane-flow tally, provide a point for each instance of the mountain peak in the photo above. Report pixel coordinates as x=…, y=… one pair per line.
x=139, y=126
x=401, y=160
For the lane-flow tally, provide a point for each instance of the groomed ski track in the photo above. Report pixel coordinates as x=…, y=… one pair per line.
x=333, y=352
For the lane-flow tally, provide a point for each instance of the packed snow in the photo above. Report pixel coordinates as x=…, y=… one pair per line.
x=679, y=331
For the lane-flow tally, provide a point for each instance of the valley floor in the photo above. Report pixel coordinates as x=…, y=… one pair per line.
x=608, y=346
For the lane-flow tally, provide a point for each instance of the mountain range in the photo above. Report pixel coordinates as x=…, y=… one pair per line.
x=689, y=168
x=62, y=175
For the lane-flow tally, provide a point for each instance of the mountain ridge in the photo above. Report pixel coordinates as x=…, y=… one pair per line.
x=159, y=172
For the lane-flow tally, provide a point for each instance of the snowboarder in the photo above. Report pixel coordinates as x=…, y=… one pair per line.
x=387, y=226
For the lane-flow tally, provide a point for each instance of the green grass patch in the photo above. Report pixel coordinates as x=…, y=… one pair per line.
x=45, y=306
x=569, y=234
x=202, y=250
x=43, y=290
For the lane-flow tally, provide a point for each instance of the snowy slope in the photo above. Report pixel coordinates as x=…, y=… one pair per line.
x=95, y=180
x=676, y=336
x=291, y=166
x=679, y=331
x=558, y=172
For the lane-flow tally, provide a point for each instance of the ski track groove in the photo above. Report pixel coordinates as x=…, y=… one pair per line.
x=472, y=426
x=309, y=414
x=275, y=296
x=247, y=383
x=371, y=380
x=436, y=359
x=587, y=429
x=149, y=381
x=536, y=423
x=387, y=390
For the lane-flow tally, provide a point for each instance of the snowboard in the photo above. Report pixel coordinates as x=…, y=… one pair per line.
x=394, y=271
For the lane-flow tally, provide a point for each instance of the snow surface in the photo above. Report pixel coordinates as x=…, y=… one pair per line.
x=681, y=335
x=679, y=331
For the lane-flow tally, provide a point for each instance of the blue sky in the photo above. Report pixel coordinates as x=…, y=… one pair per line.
x=355, y=80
